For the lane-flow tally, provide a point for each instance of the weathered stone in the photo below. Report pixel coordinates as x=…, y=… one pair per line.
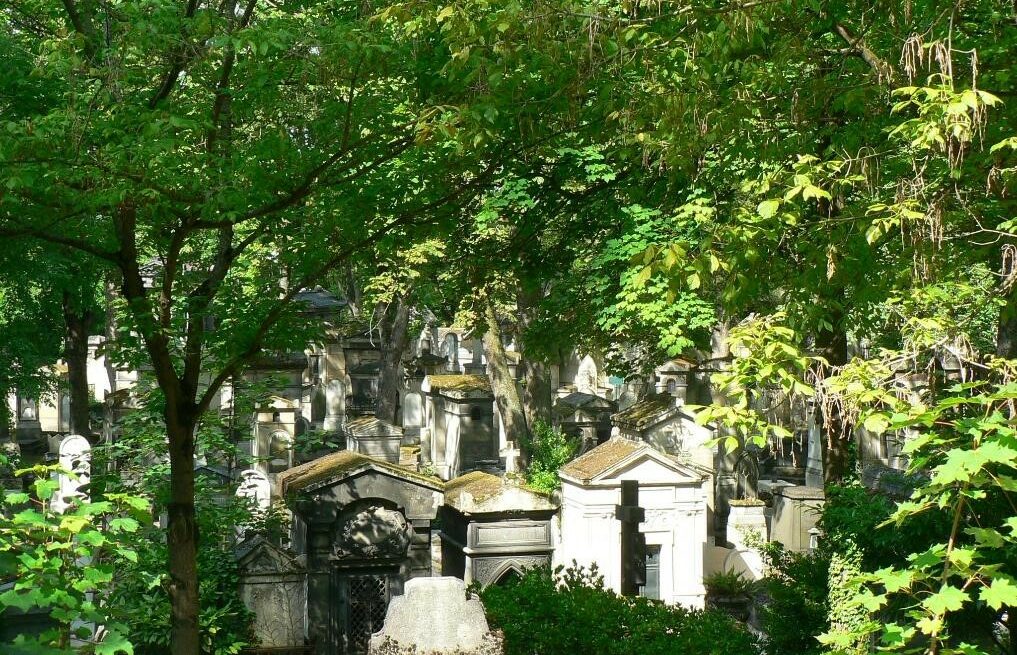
x=434, y=615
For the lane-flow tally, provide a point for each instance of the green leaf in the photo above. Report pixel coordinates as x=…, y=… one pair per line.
x=947, y=599
x=768, y=208
x=1002, y=591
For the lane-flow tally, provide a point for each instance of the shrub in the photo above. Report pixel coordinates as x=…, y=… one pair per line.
x=549, y=450
x=728, y=583
x=797, y=606
x=570, y=612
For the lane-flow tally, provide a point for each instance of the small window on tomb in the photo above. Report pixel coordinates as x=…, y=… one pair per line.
x=476, y=413
x=672, y=386
x=276, y=417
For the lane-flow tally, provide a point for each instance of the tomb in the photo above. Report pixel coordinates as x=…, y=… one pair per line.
x=368, y=435
x=796, y=511
x=276, y=427
x=662, y=421
x=460, y=432
x=364, y=526
x=492, y=529
x=272, y=587
x=585, y=416
x=674, y=497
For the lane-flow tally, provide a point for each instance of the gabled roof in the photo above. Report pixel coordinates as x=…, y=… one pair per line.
x=616, y=454
x=370, y=426
x=343, y=464
x=580, y=400
x=256, y=554
x=479, y=492
x=677, y=365
x=647, y=411
x=318, y=300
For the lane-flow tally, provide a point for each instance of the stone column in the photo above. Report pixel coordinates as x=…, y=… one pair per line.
x=814, y=453
x=335, y=405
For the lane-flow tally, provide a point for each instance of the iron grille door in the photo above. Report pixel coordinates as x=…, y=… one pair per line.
x=366, y=605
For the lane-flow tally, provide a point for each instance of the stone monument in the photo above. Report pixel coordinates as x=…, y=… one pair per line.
x=435, y=616
x=76, y=462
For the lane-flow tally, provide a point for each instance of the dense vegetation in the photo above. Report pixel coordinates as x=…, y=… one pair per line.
x=825, y=190
x=570, y=611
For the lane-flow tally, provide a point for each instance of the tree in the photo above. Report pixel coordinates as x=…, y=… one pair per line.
x=204, y=152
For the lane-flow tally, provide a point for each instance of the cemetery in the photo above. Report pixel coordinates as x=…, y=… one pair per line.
x=492, y=328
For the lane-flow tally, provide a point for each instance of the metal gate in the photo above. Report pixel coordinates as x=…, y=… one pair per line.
x=363, y=598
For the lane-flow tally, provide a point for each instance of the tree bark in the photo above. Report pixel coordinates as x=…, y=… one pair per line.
x=506, y=395
x=78, y=323
x=1006, y=329
x=833, y=346
x=394, y=340
x=182, y=536
x=536, y=398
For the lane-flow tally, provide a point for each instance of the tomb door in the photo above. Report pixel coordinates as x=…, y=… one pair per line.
x=652, y=587
x=360, y=600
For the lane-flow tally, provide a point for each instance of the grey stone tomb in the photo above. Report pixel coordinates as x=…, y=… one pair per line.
x=435, y=615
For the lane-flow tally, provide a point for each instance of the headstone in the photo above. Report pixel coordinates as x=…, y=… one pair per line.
x=76, y=461
x=435, y=615
x=814, y=454
x=254, y=485
x=335, y=404
x=451, y=349
x=510, y=454
x=586, y=376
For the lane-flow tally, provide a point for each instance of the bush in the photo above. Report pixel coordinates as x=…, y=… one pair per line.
x=798, y=604
x=549, y=450
x=570, y=612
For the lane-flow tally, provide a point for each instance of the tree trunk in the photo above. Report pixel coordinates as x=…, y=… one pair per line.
x=182, y=538
x=506, y=395
x=1006, y=330
x=394, y=340
x=833, y=346
x=536, y=377
x=78, y=323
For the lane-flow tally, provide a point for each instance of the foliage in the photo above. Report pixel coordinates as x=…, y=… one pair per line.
x=728, y=583
x=549, y=449
x=967, y=442
x=796, y=607
x=64, y=564
x=569, y=611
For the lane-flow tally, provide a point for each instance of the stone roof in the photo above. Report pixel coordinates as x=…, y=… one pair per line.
x=371, y=426
x=477, y=492
x=798, y=492
x=338, y=464
x=646, y=412
x=463, y=383
x=597, y=460
x=319, y=300
x=579, y=400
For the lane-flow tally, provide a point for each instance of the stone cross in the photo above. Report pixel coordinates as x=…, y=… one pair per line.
x=254, y=485
x=76, y=461
x=511, y=454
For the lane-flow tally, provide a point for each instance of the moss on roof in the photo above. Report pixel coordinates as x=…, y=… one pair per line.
x=647, y=410
x=594, y=462
x=480, y=492
x=338, y=463
x=478, y=484
x=460, y=382
x=371, y=426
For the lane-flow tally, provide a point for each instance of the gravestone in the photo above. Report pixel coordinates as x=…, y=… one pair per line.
x=75, y=458
x=335, y=404
x=435, y=615
x=254, y=486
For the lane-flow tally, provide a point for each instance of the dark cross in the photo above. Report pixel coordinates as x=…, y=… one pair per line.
x=633, y=542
